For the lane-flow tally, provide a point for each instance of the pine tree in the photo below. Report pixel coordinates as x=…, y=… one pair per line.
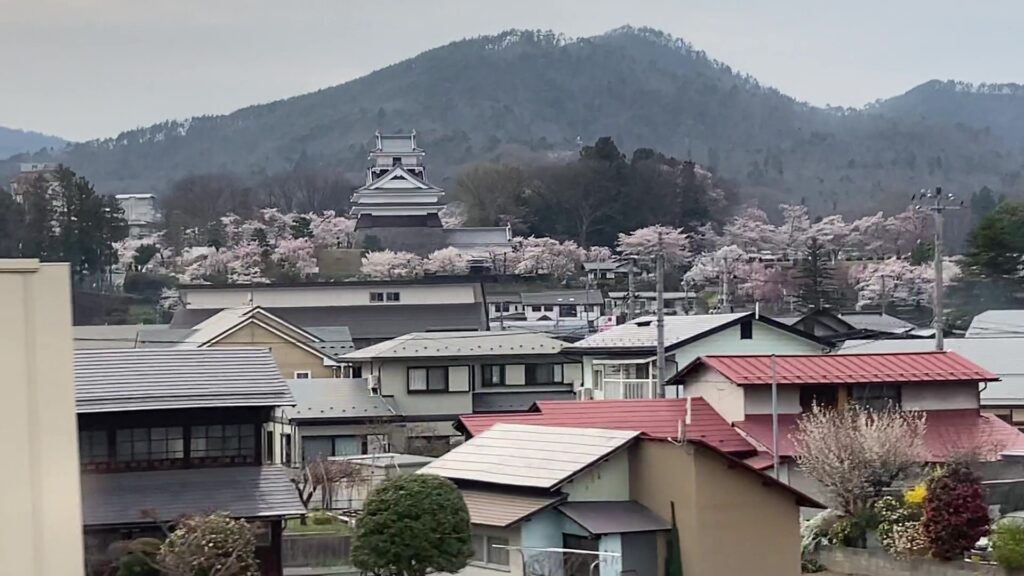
x=814, y=277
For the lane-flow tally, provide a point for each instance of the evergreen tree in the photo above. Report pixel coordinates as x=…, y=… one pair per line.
x=86, y=225
x=12, y=224
x=814, y=277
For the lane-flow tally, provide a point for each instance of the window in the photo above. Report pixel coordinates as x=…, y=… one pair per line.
x=876, y=396
x=376, y=444
x=642, y=371
x=286, y=449
x=432, y=379
x=140, y=444
x=268, y=448
x=549, y=308
x=393, y=297
x=493, y=375
x=824, y=396
x=544, y=374
x=746, y=330
x=303, y=375
x=93, y=447
x=376, y=297
x=379, y=297
x=536, y=308
x=223, y=440
x=567, y=311
x=486, y=552
x=347, y=446
x=396, y=160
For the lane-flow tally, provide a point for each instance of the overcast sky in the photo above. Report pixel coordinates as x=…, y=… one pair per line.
x=89, y=68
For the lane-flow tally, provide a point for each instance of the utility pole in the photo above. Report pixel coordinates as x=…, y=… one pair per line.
x=629, y=292
x=775, y=417
x=659, y=268
x=939, y=205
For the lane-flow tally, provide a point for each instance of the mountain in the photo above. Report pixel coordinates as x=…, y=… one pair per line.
x=19, y=141
x=997, y=108
x=528, y=96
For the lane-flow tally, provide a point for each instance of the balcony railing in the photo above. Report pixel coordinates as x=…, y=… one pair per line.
x=629, y=389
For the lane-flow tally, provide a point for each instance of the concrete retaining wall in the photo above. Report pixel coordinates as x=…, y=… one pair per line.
x=861, y=562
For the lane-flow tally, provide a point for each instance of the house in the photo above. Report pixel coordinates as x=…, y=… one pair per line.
x=832, y=327
x=432, y=378
x=1000, y=355
x=40, y=506
x=556, y=305
x=620, y=363
x=167, y=432
x=373, y=311
x=299, y=352
x=580, y=501
x=29, y=173
x=609, y=271
x=336, y=417
x=941, y=385
x=140, y=211
x=646, y=303
x=997, y=324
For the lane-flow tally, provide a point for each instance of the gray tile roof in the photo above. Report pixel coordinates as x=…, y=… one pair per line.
x=335, y=398
x=366, y=322
x=556, y=297
x=459, y=345
x=876, y=322
x=114, y=336
x=155, y=379
x=242, y=491
x=997, y=323
x=642, y=332
x=614, y=517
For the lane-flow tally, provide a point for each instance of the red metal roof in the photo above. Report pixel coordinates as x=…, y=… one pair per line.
x=657, y=419
x=947, y=433
x=898, y=368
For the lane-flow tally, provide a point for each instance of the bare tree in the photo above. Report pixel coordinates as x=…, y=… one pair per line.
x=856, y=453
x=323, y=477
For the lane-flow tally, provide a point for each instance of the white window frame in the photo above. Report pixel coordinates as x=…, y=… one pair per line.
x=488, y=550
x=303, y=375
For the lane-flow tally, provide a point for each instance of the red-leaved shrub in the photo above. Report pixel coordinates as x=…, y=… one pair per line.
x=955, y=513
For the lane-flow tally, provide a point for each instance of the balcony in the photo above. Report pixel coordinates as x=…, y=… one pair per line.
x=628, y=389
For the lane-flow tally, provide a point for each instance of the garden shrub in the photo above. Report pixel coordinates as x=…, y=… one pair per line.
x=320, y=518
x=899, y=528
x=955, y=512
x=1008, y=543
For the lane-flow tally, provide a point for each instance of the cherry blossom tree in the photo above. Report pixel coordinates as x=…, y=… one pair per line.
x=647, y=243
x=447, y=262
x=599, y=254
x=834, y=233
x=897, y=281
x=549, y=256
x=750, y=231
x=795, y=229
x=294, y=258
x=856, y=453
x=388, y=265
x=709, y=267
x=906, y=229
x=453, y=215
x=868, y=235
x=332, y=231
x=170, y=300
x=761, y=283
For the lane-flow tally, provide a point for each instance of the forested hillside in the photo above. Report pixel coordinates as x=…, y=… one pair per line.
x=526, y=97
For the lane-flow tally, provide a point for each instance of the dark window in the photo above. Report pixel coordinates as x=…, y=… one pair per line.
x=746, y=330
x=536, y=308
x=396, y=160
x=567, y=311
x=544, y=373
x=286, y=449
x=549, y=308
x=376, y=296
x=493, y=375
x=876, y=396
x=93, y=446
x=393, y=297
x=432, y=379
x=303, y=375
x=825, y=396
x=268, y=448
x=140, y=444
x=642, y=371
x=223, y=440
x=489, y=549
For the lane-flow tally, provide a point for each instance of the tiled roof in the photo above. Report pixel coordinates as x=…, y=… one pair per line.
x=619, y=517
x=460, y=344
x=155, y=379
x=947, y=433
x=242, y=491
x=679, y=330
x=846, y=368
x=877, y=322
x=501, y=508
x=658, y=419
x=335, y=398
x=998, y=355
x=528, y=456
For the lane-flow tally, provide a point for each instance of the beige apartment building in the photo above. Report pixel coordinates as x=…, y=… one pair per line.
x=40, y=496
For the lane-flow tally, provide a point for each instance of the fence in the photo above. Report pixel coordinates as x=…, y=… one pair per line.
x=316, y=550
